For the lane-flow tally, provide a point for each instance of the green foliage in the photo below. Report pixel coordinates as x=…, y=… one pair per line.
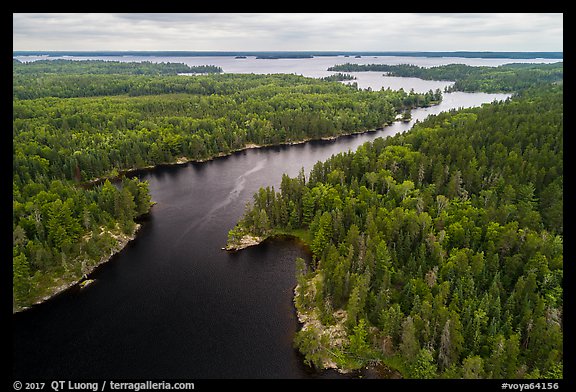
x=358, y=344
x=424, y=366
x=338, y=77
x=312, y=343
x=504, y=78
x=439, y=246
x=95, y=67
x=62, y=229
x=77, y=122
x=82, y=129
x=20, y=278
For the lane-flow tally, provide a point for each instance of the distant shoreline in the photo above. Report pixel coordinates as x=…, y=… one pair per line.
x=295, y=54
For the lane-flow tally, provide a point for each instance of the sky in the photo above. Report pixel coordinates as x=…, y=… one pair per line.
x=289, y=31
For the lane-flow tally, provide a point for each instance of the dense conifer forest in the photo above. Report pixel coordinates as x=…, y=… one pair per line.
x=77, y=122
x=439, y=251
x=504, y=78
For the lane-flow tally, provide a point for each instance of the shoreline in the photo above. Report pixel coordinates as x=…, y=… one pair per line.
x=249, y=240
x=178, y=161
x=249, y=146
x=310, y=320
x=246, y=241
x=122, y=242
x=67, y=284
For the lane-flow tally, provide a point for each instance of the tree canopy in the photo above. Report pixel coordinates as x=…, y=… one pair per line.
x=76, y=123
x=504, y=78
x=437, y=251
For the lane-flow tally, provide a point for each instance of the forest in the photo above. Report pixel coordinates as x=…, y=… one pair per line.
x=85, y=78
x=77, y=123
x=437, y=252
x=42, y=67
x=504, y=78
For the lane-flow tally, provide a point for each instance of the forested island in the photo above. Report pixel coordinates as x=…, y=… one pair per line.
x=504, y=78
x=437, y=252
x=338, y=77
x=79, y=124
x=83, y=67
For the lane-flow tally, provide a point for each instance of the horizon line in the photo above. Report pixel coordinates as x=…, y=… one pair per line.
x=467, y=53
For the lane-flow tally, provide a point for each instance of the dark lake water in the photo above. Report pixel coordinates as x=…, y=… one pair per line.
x=174, y=305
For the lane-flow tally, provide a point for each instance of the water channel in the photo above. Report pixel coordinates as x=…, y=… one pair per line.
x=174, y=305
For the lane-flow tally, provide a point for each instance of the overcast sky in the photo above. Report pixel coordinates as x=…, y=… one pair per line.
x=289, y=31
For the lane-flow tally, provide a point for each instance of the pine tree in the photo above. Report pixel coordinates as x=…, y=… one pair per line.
x=358, y=343
x=20, y=279
x=423, y=366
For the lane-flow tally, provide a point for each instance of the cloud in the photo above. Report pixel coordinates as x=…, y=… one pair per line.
x=287, y=31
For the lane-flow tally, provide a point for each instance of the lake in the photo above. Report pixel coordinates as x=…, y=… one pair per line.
x=172, y=304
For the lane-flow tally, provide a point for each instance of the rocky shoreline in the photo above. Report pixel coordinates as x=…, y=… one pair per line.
x=65, y=284
x=245, y=242
x=310, y=319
